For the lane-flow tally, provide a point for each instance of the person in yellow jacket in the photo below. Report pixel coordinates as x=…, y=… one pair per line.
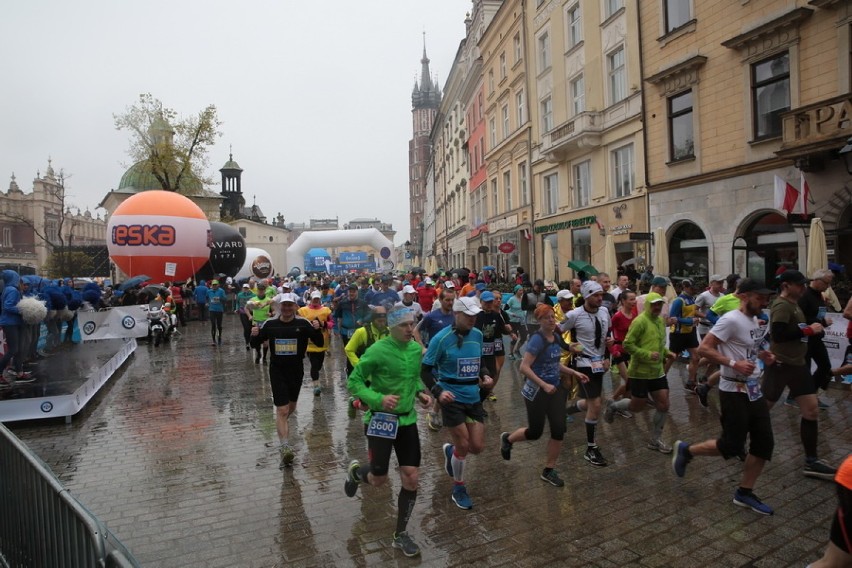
x=316, y=311
x=564, y=304
x=375, y=329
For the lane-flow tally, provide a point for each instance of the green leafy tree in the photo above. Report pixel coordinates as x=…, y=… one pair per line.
x=64, y=262
x=173, y=148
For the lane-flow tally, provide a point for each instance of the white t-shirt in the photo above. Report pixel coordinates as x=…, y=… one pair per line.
x=740, y=337
x=704, y=302
x=583, y=325
x=418, y=310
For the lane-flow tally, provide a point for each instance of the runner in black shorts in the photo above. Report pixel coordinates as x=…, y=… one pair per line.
x=646, y=344
x=839, y=550
x=791, y=369
x=490, y=322
x=288, y=336
x=387, y=381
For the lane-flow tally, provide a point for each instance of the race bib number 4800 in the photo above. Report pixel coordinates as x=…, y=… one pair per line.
x=468, y=368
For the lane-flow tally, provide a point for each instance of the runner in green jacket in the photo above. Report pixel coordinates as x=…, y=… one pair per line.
x=387, y=381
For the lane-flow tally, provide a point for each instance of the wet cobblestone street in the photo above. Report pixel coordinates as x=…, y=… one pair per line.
x=174, y=456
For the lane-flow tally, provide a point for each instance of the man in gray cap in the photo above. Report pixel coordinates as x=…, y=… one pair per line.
x=705, y=300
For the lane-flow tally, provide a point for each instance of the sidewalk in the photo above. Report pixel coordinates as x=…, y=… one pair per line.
x=173, y=456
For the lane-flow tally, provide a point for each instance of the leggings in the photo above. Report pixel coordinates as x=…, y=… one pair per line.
x=316, y=358
x=216, y=323
x=551, y=407
x=521, y=330
x=246, y=321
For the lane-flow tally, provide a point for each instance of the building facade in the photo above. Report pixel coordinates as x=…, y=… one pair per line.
x=587, y=150
x=735, y=99
x=425, y=100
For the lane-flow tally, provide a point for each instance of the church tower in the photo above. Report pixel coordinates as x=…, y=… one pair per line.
x=234, y=203
x=425, y=100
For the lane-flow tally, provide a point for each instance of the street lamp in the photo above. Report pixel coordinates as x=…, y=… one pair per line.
x=846, y=154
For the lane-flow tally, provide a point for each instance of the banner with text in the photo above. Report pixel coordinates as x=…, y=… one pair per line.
x=113, y=323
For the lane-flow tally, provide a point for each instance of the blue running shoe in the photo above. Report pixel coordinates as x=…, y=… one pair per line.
x=750, y=501
x=448, y=459
x=680, y=458
x=461, y=498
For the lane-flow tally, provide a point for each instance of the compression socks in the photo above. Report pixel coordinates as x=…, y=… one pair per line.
x=591, y=425
x=659, y=422
x=405, y=503
x=362, y=472
x=458, y=468
x=809, y=431
x=574, y=408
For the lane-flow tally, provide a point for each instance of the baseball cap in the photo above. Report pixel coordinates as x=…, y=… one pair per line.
x=590, y=287
x=316, y=294
x=517, y=287
x=752, y=285
x=658, y=300
x=481, y=286
x=286, y=285
x=353, y=286
x=564, y=295
x=387, y=278
x=792, y=277
x=286, y=298
x=717, y=278
x=467, y=306
x=659, y=281
x=428, y=281
x=487, y=296
x=449, y=285
x=409, y=289
x=246, y=286
x=686, y=283
x=212, y=282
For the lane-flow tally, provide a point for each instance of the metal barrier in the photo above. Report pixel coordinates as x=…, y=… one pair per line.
x=42, y=523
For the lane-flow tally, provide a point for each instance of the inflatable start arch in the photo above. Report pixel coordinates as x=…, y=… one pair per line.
x=341, y=238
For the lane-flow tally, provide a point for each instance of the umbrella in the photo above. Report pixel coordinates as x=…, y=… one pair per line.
x=416, y=270
x=152, y=289
x=661, y=252
x=610, y=262
x=582, y=266
x=630, y=261
x=548, y=262
x=133, y=282
x=489, y=267
x=817, y=253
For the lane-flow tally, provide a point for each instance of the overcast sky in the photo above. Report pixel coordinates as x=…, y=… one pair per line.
x=315, y=97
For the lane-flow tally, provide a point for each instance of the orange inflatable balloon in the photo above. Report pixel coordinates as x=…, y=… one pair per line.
x=159, y=233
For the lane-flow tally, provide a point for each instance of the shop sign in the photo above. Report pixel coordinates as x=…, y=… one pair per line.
x=818, y=122
x=620, y=229
x=478, y=231
x=570, y=224
x=506, y=247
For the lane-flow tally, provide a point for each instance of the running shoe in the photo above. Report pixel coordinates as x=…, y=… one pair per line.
x=350, y=486
x=820, y=470
x=317, y=390
x=505, y=446
x=461, y=498
x=220, y=342
x=750, y=501
x=287, y=456
x=492, y=398
x=593, y=456
x=681, y=458
x=434, y=421
x=659, y=446
x=248, y=346
x=609, y=412
x=403, y=542
x=5, y=383
x=569, y=419
x=552, y=478
x=24, y=377
x=701, y=390
x=624, y=413
x=448, y=459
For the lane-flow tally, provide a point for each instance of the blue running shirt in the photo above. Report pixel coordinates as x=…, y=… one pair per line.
x=458, y=364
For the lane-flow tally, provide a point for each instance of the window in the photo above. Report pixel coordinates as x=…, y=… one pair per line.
x=617, y=75
x=612, y=6
x=494, y=197
x=582, y=184
x=581, y=244
x=546, y=115
x=51, y=231
x=578, y=95
x=522, y=183
x=505, y=111
x=490, y=82
x=681, y=137
x=519, y=103
x=575, y=26
x=770, y=91
x=502, y=65
x=242, y=230
x=7, y=237
x=622, y=171
x=507, y=189
x=492, y=126
x=551, y=193
x=543, y=52
x=517, y=43
x=677, y=13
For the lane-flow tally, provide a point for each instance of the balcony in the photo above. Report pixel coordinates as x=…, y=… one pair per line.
x=582, y=131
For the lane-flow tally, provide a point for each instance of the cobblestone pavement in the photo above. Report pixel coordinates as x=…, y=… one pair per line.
x=173, y=455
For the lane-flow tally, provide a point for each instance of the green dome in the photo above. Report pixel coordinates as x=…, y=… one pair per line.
x=139, y=178
x=231, y=165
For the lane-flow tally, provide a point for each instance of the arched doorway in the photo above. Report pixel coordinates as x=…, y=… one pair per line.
x=688, y=253
x=843, y=242
x=769, y=244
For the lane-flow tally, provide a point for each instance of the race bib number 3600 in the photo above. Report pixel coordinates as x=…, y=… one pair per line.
x=383, y=425
x=468, y=368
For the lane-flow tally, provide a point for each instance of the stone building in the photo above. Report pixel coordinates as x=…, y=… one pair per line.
x=736, y=98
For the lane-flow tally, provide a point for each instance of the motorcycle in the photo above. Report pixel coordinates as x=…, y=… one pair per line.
x=160, y=324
